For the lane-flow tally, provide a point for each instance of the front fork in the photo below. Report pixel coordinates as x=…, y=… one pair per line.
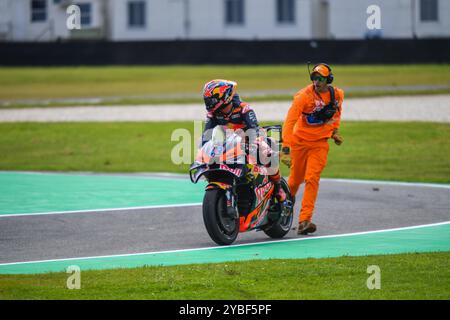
x=230, y=195
x=231, y=204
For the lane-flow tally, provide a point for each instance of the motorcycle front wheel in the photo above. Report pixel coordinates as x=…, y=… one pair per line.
x=222, y=228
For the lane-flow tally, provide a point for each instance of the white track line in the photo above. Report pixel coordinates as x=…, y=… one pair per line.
x=132, y=175
x=178, y=176
x=237, y=245
x=393, y=183
x=101, y=210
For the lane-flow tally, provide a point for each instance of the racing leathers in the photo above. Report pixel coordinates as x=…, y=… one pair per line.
x=243, y=117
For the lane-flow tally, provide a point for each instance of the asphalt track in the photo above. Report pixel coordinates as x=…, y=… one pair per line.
x=342, y=207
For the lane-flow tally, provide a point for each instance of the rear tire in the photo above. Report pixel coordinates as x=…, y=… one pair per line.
x=278, y=229
x=222, y=228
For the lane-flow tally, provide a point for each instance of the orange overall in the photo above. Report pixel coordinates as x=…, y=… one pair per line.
x=308, y=143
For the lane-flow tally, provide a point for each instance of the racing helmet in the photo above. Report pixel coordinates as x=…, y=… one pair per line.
x=218, y=93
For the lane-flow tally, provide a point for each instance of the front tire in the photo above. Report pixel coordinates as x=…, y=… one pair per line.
x=222, y=228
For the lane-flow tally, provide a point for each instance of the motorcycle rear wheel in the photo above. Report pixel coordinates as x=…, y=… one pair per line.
x=278, y=229
x=222, y=228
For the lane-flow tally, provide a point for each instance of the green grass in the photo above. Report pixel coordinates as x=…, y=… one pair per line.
x=75, y=82
x=392, y=151
x=405, y=276
x=372, y=150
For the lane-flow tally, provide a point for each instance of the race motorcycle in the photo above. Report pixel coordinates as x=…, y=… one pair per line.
x=239, y=195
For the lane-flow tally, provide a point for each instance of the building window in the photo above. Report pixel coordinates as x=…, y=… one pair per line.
x=38, y=10
x=428, y=10
x=85, y=13
x=136, y=14
x=286, y=11
x=234, y=12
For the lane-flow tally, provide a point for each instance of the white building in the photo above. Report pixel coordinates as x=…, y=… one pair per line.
x=129, y=20
x=45, y=20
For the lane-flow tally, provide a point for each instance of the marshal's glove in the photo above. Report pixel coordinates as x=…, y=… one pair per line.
x=337, y=137
x=285, y=156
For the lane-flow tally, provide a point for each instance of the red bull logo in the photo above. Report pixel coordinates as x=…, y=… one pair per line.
x=236, y=171
x=262, y=191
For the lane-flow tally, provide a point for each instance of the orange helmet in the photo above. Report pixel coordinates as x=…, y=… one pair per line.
x=324, y=70
x=218, y=94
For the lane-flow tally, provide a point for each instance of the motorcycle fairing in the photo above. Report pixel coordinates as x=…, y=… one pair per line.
x=197, y=170
x=259, y=215
x=222, y=149
x=216, y=184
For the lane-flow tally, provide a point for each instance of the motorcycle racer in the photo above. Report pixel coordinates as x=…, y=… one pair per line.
x=225, y=108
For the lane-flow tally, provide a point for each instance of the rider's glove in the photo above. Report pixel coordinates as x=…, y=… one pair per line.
x=337, y=137
x=285, y=156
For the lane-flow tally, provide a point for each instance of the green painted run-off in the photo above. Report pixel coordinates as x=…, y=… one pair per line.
x=40, y=193
x=424, y=239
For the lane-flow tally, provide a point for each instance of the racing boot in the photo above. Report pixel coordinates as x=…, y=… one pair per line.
x=306, y=227
x=279, y=192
